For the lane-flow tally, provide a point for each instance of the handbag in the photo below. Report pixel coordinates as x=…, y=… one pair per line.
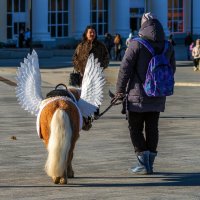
x=75, y=79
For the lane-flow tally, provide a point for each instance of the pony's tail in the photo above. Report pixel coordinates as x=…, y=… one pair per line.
x=59, y=144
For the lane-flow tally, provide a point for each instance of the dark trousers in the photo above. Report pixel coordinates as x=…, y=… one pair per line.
x=188, y=52
x=149, y=122
x=117, y=53
x=196, y=62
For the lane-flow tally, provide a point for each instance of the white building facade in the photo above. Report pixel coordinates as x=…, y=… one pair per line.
x=59, y=20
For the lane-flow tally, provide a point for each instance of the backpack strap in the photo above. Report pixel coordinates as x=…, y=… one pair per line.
x=146, y=44
x=150, y=49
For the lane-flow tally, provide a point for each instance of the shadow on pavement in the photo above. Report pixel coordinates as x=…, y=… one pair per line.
x=168, y=179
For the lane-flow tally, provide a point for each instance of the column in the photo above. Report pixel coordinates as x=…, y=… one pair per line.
x=81, y=16
x=120, y=17
x=3, y=21
x=40, y=20
x=160, y=9
x=196, y=16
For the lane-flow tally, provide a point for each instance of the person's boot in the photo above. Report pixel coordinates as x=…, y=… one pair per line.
x=143, y=163
x=152, y=156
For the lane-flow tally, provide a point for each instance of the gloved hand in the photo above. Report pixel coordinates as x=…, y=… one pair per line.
x=118, y=98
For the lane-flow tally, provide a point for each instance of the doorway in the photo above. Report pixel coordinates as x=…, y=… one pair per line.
x=135, y=24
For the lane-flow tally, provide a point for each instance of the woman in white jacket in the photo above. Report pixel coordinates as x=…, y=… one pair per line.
x=196, y=55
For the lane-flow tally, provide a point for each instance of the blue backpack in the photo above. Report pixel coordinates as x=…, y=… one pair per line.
x=159, y=80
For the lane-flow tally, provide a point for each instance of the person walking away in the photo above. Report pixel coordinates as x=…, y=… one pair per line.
x=21, y=39
x=27, y=37
x=188, y=42
x=108, y=41
x=117, y=46
x=88, y=45
x=196, y=55
x=143, y=111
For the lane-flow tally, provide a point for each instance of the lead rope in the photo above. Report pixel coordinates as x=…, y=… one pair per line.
x=108, y=108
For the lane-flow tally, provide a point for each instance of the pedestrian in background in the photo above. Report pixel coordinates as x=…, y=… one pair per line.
x=27, y=37
x=108, y=41
x=143, y=111
x=118, y=47
x=188, y=42
x=21, y=39
x=196, y=55
x=88, y=45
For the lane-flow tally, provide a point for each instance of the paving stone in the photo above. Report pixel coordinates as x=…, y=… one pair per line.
x=103, y=155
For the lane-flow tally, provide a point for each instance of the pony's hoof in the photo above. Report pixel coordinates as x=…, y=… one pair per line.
x=56, y=180
x=63, y=180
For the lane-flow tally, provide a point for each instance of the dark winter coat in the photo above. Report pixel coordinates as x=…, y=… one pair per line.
x=82, y=53
x=137, y=57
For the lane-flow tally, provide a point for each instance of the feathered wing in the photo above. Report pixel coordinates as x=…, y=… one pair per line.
x=92, y=87
x=28, y=90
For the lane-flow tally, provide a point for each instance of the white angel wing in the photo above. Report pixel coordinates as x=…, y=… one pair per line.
x=92, y=87
x=28, y=90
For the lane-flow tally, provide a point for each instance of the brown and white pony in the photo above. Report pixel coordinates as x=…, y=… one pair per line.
x=59, y=125
x=60, y=114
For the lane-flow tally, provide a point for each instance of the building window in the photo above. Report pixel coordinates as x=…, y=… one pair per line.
x=135, y=19
x=99, y=16
x=175, y=16
x=14, y=25
x=58, y=18
x=19, y=5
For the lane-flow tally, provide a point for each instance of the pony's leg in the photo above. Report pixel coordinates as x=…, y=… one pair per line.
x=60, y=180
x=63, y=180
x=70, y=172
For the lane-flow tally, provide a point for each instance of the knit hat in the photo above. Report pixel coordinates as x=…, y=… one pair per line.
x=147, y=16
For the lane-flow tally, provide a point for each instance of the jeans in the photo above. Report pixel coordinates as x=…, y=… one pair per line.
x=147, y=141
x=196, y=62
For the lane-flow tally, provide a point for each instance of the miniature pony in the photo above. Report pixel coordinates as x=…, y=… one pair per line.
x=60, y=114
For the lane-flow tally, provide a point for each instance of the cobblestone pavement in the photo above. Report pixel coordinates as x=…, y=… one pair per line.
x=103, y=155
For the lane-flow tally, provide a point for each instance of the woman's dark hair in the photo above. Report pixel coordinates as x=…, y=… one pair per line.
x=84, y=37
